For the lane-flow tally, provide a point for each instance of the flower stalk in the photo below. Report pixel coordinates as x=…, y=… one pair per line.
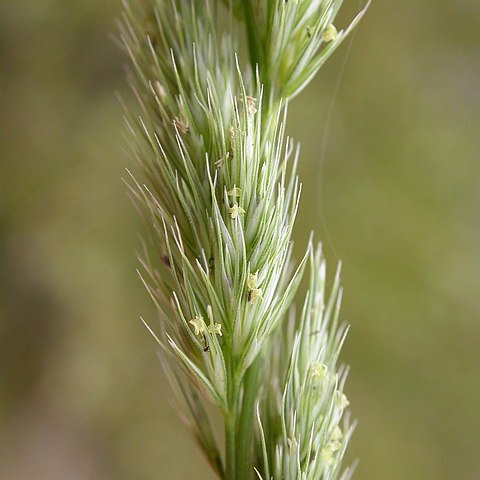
x=215, y=183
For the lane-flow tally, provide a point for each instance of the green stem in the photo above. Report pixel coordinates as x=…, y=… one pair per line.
x=255, y=47
x=251, y=34
x=245, y=426
x=230, y=450
x=231, y=421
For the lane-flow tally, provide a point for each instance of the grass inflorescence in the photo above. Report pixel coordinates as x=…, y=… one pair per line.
x=215, y=181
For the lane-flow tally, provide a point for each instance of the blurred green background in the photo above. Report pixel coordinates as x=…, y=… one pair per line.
x=391, y=174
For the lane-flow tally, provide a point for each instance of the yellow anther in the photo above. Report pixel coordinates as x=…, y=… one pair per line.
x=254, y=295
x=335, y=445
x=216, y=328
x=198, y=324
x=337, y=433
x=342, y=401
x=235, y=211
x=252, y=281
x=319, y=370
x=234, y=192
x=326, y=455
x=330, y=33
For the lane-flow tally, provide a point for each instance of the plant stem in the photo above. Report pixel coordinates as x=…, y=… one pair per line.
x=230, y=449
x=231, y=422
x=244, y=439
x=253, y=50
x=239, y=427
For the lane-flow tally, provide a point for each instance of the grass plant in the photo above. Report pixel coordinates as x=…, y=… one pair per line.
x=215, y=182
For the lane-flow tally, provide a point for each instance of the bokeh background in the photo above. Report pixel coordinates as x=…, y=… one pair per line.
x=390, y=133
